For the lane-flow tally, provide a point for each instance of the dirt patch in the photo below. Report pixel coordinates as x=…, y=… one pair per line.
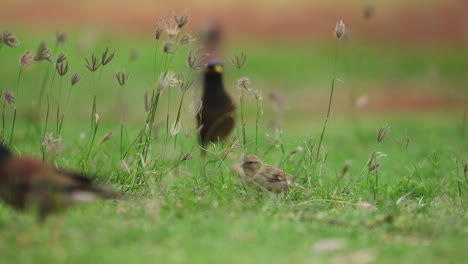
x=446, y=22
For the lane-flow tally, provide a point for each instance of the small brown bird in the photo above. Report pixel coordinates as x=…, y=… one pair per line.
x=216, y=117
x=265, y=177
x=28, y=183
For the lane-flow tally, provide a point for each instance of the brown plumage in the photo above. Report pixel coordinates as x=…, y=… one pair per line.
x=212, y=39
x=28, y=183
x=216, y=117
x=262, y=176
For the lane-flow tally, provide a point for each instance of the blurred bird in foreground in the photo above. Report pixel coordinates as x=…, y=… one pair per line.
x=265, y=177
x=28, y=183
x=212, y=40
x=216, y=117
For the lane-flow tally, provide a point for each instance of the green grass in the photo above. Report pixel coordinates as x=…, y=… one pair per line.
x=198, y=212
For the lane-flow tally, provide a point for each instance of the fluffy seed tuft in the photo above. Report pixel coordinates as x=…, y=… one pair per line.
x=181, y=20
x=43, y=53
x=105, y=58
x=27, y=59
x=75, y=78
x=94, y=64
x=239, y=59
x=122, y=77
x=9, y=96
x=340, y=28
x=9, y=39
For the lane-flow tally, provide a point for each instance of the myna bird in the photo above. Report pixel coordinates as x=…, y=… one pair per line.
x=28, y=183
x=262, y=176
x=216, y=117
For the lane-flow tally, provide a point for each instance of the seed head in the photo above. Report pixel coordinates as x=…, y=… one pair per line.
x=167, y=80
x=382, y=133
x=106, y=137
x=94, y=64
x=278, y=101
x=134, y=54
x=259, y=99
x=176, y=128
x=51, y=143
x=9, y=96
x=171, y=28
x=184, y=84
x=61, y=37
x=340, y=28
x=186, y=39
x=169, y=47
x=187, y=156
x=244, y=83
x=195, y=60
x=61, y=65
x=297, y=150
x=75, y=78
x=106, y=59
x=238, y=59
x=374, y=167
x=362, y=101
x=159, y=28
x=122, y=77
x=182, y=20
x=368, y=12
x=61, y=57
x=346, y=167
x=27, y=59
x=43, y=53
x=9, y=39
x=148, y=100
x=96, y=118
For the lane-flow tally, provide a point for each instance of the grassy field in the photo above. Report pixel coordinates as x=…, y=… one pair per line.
x=411, y=209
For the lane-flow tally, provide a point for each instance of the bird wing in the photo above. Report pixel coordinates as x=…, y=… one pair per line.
x=274, y=174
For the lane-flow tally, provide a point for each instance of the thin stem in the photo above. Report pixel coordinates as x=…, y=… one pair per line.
x=256, y=125
x=43, y=87
x=3, y=123
x=45, y=130
x=59, y=99
x=94, y=123
x=242, y=120
x=12, y=127
x=178, y=117
x=18, y=81
x=463, y=129
x=155, y=61
x=121, y=122
x=94, y=127
x=66, y=109
x=330, y=100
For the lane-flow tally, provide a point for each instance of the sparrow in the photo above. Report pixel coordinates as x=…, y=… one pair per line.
x=27, y=183
x=265, y=177
x=216, y=117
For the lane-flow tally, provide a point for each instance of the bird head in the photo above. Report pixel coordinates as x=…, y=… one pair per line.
x=251, y=165
x=214, y=68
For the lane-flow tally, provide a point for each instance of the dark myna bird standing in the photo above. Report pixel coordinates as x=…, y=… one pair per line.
x=216, y=117
x=28, y=183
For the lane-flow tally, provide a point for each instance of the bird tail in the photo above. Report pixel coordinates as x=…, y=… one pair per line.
x=93, y=193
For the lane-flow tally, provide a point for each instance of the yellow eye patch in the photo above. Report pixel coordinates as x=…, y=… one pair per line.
x=218, y=69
